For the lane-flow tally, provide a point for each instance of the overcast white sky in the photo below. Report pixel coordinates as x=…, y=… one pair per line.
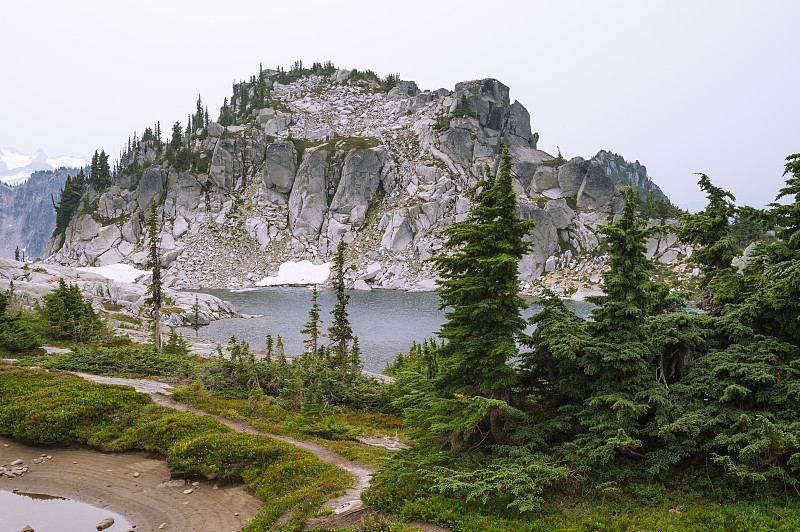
x=682, y=86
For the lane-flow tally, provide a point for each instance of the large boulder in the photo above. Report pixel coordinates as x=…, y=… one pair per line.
x=545, y=178
x=597, y=189
x=544, y=234
x=404, y=89
x=224, y=164
x=488, y=98
x=361, y=177
x=457, y=143
x=397, y=232
x=519, y=127
x=308, y=200
x=526, y=161
x=560, y=213
x=151, y=187
x=184, y=195
x=280, y=166
x=587, y=182
x=571, y=174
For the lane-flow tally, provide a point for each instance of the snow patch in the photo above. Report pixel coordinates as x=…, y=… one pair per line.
x=66, y=161
x=15, y=179
x=14, y=159
x=120, y=273
x=298, y=273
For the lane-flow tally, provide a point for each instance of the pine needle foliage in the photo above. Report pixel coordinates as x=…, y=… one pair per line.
x=617, y=360
x=312, y=326
x=154, y=290
x=67, y=316
x=480, y=287
x=340, y=333
x=710, y=231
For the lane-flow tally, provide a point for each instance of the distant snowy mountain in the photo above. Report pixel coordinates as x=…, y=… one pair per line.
x=16, y=167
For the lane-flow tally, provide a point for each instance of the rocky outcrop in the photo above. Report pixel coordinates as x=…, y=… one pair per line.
x=631, y=174
x=308, y=201
x=361, y=177
x=280, y=166
x=335, y=159
x=33, y=281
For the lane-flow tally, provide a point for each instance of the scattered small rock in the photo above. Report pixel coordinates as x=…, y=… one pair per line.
x=27, y=528
x=195, y=484
x=136, y=475
x=105, y=523
x=18, y=461
x=187, y=492
x=162, y=526
x=236, y=513
x=172, y=484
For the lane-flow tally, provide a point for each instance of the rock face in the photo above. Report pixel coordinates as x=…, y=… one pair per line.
x=33, y=282
x=336, y=159
x=280, y=166
x=27, y=217
x=624, y=173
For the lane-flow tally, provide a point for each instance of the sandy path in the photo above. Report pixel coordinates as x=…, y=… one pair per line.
x=348, y=508
x=105, y=480
x=351, y=500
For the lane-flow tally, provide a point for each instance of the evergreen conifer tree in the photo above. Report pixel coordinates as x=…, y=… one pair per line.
x=480, y=284
x=196, y=315
x=340, y=332
x=177, y=136
x=312, y=329
x=710, y=230
x=618, y=359
x=154, y=290
x=70, y=199
x=67, y=316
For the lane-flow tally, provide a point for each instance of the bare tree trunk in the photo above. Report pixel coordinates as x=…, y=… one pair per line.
x=157, y=333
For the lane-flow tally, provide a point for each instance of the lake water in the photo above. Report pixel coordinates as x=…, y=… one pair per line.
x=386, y=322
x=45, y=513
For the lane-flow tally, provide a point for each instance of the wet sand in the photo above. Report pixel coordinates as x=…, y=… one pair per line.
x=106, y=480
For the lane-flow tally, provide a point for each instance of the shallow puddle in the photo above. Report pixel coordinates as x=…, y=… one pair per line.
x=45, y=513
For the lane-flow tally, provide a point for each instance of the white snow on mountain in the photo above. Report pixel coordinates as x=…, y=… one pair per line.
x=16, y=167
x=298, y=273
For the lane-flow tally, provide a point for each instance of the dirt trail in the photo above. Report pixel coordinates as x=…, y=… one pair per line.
x=350, y=501
x=347, y=508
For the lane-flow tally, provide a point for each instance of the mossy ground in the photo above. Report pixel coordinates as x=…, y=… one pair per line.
x=54, y=408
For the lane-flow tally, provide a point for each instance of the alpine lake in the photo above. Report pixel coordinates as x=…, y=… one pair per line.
x=387, y=322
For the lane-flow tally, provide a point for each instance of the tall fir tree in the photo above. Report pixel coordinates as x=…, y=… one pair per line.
x=312, y=328
x=103, y=172
x=154, y=290
x=340, y=333
x=94, y=171
x=70, y=199
x=618, y=359
x=176, y=141
x=480, y=285
x=710, y=231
